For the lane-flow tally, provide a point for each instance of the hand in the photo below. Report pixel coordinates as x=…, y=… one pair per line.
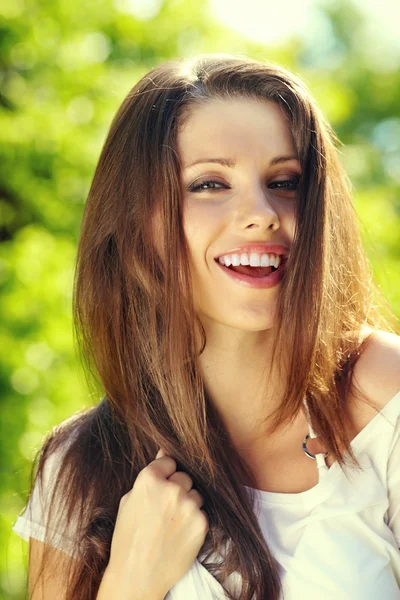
x=159, y=530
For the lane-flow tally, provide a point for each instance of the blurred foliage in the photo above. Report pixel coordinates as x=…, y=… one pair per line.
x=66, y=66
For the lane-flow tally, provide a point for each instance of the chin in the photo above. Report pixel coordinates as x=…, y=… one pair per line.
x=247, y=322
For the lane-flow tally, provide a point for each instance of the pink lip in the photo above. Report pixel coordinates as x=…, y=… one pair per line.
x=268, y=281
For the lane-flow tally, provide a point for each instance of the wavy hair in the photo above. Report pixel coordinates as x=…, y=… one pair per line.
x=140, y=338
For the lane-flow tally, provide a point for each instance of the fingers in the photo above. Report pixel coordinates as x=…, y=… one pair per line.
x=184, y=480
x=197, y=497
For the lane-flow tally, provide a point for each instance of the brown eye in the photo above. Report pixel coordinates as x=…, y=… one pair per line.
x=287, y=184
x=208, y=184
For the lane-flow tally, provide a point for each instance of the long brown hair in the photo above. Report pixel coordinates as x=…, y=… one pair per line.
x=141, y=340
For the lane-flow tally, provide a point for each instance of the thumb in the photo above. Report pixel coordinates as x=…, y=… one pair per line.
x=161, y=453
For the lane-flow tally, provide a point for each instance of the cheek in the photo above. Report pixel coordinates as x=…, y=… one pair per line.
x=291, y=226
x=197, y=225
x=287, y=219
x=202, y=218
x=201, y=229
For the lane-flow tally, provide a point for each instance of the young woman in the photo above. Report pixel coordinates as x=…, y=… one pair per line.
x=248, y=441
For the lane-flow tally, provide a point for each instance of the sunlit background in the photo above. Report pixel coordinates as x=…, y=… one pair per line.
x=67, y=65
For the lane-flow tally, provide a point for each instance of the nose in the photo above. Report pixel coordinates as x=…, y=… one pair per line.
x=256, y=210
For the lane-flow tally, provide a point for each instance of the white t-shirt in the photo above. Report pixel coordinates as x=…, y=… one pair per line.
x=338, y=540
x=32, y=522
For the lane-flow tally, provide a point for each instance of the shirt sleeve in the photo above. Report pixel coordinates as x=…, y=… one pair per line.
x=393, y=480
x=32, y=522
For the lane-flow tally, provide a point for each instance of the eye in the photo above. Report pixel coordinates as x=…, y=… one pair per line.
x=287, y=184
x=207, y=184
x=213, y=185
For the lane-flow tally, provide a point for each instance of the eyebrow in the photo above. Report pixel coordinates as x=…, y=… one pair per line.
x=230, y=162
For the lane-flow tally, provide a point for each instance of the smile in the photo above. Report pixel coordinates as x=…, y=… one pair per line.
x=267, y=281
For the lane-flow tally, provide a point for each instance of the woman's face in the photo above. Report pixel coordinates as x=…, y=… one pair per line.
x=235, y=203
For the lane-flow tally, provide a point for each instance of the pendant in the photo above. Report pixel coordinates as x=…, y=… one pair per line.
x=309, y=454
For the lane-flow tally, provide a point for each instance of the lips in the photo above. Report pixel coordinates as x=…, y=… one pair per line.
x=268, y=281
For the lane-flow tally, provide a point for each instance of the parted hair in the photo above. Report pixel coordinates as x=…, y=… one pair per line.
x=140, y=339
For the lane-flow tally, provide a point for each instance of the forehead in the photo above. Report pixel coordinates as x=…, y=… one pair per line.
x=235, y=127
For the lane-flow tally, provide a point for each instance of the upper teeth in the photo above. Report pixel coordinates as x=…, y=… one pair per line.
x=253, y=260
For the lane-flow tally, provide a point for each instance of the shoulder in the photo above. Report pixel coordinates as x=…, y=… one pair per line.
x=377, y=371
x=376, y=377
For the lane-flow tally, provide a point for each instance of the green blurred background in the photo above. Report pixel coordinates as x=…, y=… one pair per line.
x=66, y=67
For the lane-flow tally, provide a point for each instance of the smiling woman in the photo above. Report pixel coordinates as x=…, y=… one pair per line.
x=260, y=176
x=224, y=300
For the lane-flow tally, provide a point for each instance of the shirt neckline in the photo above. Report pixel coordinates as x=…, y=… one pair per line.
x=323, y=487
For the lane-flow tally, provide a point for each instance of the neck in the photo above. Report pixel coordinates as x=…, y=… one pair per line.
x=245, y=389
